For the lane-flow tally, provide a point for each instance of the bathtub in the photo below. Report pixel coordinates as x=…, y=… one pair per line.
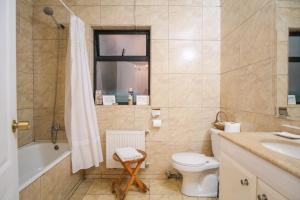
x=36, y=159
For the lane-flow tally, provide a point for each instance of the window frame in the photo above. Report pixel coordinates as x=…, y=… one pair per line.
x=125, y=58
x=293, y=59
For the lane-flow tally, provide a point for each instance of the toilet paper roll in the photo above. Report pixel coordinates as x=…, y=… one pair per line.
x=232, y=127
x=156, y=123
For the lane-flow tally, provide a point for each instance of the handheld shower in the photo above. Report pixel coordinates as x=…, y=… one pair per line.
x=49, y=11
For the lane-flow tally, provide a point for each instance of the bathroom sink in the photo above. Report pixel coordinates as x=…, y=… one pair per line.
x=288, y=149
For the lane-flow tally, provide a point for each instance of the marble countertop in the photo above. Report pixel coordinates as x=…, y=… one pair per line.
x=251, y=141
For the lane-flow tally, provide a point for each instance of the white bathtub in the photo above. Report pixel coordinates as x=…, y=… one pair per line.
x=35, y=159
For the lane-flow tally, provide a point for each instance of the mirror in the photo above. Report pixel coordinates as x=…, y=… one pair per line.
x=288, y=59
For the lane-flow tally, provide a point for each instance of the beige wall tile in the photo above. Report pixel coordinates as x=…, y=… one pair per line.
x=154, y=16
x=229, y=16
x=117, y=15
x=160, y=90
x=282, y=58
x=185, y=22
x=185, y=90
x=211, y=23
x=282, y=90
x=159, y=56
x=248, y=8
x=117, y=2
x=89, y=14
x=230, y=51
x=258, y=36
x=185, y=56
x=45, y=56
x=211, y=57
x=151, y=2
x=211, y=91
x=85, y=2
x=212, y=2
x=185, y=2
x=44, y=91
x=25, y=90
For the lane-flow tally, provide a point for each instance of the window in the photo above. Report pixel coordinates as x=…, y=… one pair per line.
x=122, y=61
x=294, y=64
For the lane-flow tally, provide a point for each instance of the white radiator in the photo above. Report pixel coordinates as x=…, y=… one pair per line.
x=122, y=138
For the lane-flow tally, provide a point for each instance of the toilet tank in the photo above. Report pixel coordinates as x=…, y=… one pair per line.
x=215, y=142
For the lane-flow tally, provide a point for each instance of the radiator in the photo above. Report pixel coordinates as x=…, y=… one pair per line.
x=122, y=138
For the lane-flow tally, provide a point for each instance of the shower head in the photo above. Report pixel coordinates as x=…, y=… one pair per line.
x=49, y=11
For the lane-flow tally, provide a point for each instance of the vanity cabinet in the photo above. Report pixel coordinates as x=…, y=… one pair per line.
x=244, y=176
x=236, y=182
x=265, y=192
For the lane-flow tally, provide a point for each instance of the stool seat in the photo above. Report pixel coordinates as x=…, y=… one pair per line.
x=118, y=159
x=116, y=186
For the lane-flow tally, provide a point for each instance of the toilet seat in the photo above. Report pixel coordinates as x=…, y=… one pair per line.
x=189, y=159
x=193, y=162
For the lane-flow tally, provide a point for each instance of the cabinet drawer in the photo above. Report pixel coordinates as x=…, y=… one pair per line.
x=265, y=192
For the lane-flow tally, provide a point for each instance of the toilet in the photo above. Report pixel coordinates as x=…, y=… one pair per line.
x=199, y=172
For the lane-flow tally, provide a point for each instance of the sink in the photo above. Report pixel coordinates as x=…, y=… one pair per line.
x=288, y=149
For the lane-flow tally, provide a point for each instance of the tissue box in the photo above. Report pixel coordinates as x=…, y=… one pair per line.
x=232, y=127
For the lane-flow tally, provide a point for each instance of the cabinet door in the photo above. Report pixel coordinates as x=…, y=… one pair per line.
x=236, y=183
x=265, y=192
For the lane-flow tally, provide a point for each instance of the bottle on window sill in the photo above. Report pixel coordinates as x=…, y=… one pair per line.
x=130, y=96
x=98, y=97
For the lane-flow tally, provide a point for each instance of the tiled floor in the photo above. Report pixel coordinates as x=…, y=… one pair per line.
x=100, y=189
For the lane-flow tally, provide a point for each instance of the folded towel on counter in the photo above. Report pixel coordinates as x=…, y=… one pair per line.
x=288, y=135
x=128, y=153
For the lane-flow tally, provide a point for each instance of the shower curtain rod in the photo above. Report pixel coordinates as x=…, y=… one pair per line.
x=66, y=7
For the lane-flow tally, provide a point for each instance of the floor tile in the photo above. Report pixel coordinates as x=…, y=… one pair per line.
x=99, y=197
x=164, y=187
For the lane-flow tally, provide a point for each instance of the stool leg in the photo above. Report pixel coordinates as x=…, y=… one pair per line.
x=129, y=183
x=133, y=174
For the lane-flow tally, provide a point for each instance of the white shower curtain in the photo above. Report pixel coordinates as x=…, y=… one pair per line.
x=80, y=112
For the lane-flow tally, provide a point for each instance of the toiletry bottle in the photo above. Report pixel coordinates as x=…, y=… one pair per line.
x=98, y=97
x=130, y=96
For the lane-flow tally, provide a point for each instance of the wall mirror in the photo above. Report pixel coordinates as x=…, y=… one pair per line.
x=288, y=59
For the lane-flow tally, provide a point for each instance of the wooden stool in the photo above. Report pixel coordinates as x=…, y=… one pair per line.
x=116, y=186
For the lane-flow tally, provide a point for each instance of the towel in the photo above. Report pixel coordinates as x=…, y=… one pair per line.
x=128, y=153
x=288, y=135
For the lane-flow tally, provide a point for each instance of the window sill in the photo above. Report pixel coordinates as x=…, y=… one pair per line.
x=124, y=106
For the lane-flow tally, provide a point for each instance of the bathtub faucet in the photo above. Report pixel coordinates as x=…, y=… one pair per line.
x=54, y=130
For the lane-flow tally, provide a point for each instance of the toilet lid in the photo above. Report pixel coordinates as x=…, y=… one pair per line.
x=189, y=159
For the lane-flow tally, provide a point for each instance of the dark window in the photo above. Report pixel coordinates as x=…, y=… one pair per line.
x=294, y=64
x=122, y=61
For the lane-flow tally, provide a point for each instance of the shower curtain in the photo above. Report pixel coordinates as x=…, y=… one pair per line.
x=80, y=112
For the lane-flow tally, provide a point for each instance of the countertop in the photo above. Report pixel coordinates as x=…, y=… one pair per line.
x=251, y=141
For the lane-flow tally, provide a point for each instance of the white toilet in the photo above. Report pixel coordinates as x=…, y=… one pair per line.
x=199, y=172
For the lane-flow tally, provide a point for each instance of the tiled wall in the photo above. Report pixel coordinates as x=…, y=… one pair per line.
x=248, y=64
x=185, y=74
x=24, y=68
x=49, y=52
